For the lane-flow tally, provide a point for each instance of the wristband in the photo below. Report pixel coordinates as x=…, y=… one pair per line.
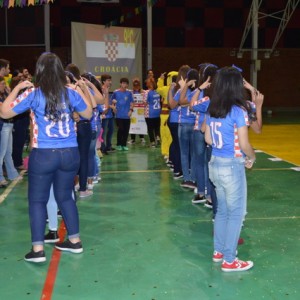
x=199, y=89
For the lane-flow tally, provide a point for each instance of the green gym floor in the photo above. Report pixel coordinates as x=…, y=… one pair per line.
x=143, y=239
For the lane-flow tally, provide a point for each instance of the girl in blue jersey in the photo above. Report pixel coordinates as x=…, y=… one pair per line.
x=227, y=132
x=173, y=122
x=152, y=111
x=54, y=158
x=186, y=127
x=123, y=100
x=199, y=103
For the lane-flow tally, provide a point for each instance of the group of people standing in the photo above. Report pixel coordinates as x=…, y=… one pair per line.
x=199, y=117
x=211, y=110
x=13, y=131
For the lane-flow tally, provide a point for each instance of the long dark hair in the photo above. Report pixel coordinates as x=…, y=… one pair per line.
x=92, y=78
x=51, y=79
x=227, y=91
x=193, y=74
x=207, y=70
x=181, y=73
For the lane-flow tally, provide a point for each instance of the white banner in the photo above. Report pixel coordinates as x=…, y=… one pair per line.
x=137, y=122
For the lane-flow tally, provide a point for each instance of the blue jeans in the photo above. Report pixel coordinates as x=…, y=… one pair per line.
x=84, y=137
x=228, y=176
x=108, y=130
x=185, y=133
x=211, y=191
x=6, y=152
x=52, y=211
x=198, y=160
x=46, y=167
x=174, y=151
x=92, y=165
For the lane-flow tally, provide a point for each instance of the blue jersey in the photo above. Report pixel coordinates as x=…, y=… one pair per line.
x=174, y=114
x=186, y=115
x=200, y=107
x=47, y=133
x=225, y=142
x=152, y=104
x=124, y=99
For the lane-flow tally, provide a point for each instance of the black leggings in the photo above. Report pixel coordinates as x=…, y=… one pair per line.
x=153, y=126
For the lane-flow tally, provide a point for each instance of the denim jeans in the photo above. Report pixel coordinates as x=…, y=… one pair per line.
x=211, y=191
x=92, y=166
x=228, y=176
x=104, y=127
x=84, y=137
x=108, y=130
x=198, y=160
x=185, y=133
x=6, y=152
x=174, y=151
x=46, y=167
x=52, y=211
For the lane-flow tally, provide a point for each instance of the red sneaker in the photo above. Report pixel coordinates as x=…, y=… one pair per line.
x=237, y=265
x=241, y=241
x=217, y=256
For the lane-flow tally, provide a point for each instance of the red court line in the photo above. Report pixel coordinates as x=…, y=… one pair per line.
x=53, y=266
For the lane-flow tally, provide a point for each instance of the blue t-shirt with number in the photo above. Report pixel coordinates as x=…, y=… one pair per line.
x=185, y=114
x=124, y=99
x=152, y=106
x=225, y=142
x=47, y=133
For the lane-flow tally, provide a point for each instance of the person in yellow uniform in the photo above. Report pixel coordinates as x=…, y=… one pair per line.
x=162, y=90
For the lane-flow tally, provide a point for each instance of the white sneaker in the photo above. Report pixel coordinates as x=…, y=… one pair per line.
x=143, y=141
x=83, y=194
x=90, y=186
x=96, y=179
x=195, y=191
x=131, y=142
x=77, y=187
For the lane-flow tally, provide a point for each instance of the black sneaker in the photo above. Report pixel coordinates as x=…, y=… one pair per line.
x=35, y=257
x=188, y=184
x=51, y=237
x=199, y=199
x=184, y=183
x=178, y=175
x=59, y=215
x=69, y=246
x=208, y=204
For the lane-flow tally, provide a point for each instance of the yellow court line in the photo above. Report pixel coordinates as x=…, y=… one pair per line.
x=9, y=188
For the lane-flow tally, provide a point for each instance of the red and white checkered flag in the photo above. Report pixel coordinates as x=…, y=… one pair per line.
x=111, y=46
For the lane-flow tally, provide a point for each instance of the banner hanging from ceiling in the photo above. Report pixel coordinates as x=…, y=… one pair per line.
x=22, y=3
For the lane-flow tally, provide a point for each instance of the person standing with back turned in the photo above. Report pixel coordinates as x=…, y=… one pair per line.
x=227, y=131
x=54, y=158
